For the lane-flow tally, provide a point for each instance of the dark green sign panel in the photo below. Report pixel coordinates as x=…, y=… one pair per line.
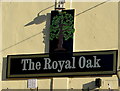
x=81, y=63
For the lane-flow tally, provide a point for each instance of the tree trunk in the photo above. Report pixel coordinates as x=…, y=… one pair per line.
x=60, y=43
x=60, y=40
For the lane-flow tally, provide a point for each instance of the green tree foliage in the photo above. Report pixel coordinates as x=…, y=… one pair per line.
x=62, y=22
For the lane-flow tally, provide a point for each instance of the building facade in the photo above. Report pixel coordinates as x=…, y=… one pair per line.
x=25, y=27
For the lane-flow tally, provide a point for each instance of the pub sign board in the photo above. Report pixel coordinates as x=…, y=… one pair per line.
x=80, y=64
x=61, y=33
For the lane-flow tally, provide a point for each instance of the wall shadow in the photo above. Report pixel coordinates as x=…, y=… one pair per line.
x=46, y=32
x=40, y=18
x=51, y=85
x=89, y=86
x=4, y=68
x=37, y=20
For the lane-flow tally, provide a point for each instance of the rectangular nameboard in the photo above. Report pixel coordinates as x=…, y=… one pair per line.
x=80, y=64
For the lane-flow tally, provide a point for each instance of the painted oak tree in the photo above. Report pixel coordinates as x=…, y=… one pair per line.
x=62, y=28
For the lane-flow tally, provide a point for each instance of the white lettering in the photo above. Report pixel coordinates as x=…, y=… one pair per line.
x=25, y=62
x=31, y=65
x=82, y=61
x=38, y=65
x=54, y=65
x=67, y=66
x=96, y=62
x=61, y=63
x=89, y=64
x=47, y=63
x=73, y=66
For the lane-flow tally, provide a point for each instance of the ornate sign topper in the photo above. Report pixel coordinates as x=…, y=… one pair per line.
x=81, y=63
